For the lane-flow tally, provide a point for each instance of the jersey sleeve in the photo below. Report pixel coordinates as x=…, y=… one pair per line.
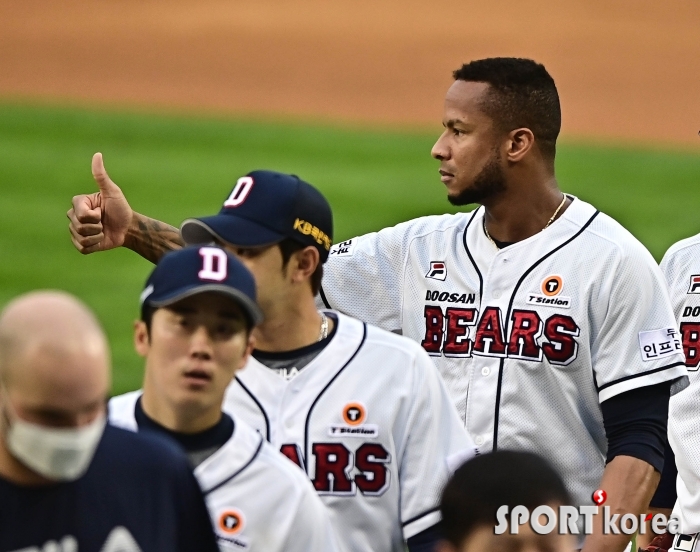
x=363, y=277
x=637, y=343
x=435, y=444
x=312, y=529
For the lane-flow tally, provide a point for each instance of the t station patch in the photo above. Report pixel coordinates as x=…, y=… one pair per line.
x=694, y=284
x=437, y=271
x=231, y=522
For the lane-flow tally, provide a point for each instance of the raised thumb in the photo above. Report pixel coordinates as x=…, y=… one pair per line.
x=99, y=173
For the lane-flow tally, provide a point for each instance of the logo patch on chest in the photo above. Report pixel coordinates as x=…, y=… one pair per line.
x=694, y=284
x=354, y=414
x=230, y=524
x=550, y=288
x=437, y=271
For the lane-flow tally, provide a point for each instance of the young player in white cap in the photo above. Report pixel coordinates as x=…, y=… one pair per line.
x=361, y=410
x=198, y=309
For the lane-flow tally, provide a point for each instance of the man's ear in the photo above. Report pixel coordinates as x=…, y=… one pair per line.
x=520, y=143
x=142, y=341
x=305, y=262
x=248, y=350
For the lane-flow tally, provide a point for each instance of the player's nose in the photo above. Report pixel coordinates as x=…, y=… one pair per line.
x=201, y=342
x=440, y=150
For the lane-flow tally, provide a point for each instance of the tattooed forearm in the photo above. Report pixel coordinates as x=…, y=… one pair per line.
x=151, y=238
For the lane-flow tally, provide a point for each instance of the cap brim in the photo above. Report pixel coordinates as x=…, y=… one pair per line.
x=250, y=308
x=228, y=229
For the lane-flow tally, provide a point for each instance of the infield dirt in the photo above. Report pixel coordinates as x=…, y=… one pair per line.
x=626, y=69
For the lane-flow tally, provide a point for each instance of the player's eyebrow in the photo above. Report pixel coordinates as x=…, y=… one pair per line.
x=451, y=123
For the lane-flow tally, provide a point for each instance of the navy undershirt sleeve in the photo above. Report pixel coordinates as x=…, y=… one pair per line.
x=665, y=495
x=425, y=541
x=635, y=423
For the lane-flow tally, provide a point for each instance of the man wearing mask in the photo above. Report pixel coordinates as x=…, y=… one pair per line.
x=68, y=481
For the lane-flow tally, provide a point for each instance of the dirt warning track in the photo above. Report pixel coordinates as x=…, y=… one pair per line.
x=626, y=69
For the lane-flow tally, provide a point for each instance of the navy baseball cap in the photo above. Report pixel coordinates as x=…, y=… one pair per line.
x=264, y=208
x=193, y=270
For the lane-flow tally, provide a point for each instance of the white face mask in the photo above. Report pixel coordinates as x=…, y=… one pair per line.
x=61, y=454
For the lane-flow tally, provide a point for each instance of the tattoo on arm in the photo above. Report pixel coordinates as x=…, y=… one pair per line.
x=152, y=238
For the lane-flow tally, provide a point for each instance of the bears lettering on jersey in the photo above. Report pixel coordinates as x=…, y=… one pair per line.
x=447, y=333
x=335, y=464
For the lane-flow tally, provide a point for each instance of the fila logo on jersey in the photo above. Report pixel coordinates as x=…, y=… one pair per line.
x=437, y=271
x=694, y=284
x=240, y=192
x=685, y=542
x=214, y=264
x=551, y=288
x=447, y=333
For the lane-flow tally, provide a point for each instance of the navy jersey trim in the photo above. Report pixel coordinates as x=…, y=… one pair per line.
x=313, y=404
x=259, y=405
x=324, y=298
x=633, y=376
x=510, y=307
x=238, y=472
x=466, y=248
x=419, y=516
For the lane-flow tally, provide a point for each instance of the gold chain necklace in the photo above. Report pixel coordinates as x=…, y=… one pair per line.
x=550, y=221
x=323, y=332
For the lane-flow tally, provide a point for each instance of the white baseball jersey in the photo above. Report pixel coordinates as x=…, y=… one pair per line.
x=530, y=339
x=371, y=423
x=681, y=266
x=257, y=499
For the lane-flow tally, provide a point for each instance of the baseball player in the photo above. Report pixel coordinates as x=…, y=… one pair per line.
x=198, y=308
x=69, y=482
x=548, y=321
x=361, y=410
x=681, y=268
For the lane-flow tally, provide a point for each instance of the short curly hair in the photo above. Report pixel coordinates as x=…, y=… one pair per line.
x=522, y=94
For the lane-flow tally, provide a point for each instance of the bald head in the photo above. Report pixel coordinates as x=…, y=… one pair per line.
x=53, y=356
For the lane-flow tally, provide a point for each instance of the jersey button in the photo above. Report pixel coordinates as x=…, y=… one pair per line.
x=485, y=371
x=496, y=293
x=479, y=440
x=289, y=423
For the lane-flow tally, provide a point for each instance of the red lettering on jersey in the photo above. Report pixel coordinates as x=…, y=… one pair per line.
x=691, y=343
x=527, y=328
x=371, y=459
x=293, y=453
x=560, y=331
x=457, y=343
x=489, y=339
x=434, y=320
x=332, y=464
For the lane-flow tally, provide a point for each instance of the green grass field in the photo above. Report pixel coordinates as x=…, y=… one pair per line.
x=173, y=167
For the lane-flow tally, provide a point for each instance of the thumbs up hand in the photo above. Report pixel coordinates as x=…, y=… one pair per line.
x=99, y=221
